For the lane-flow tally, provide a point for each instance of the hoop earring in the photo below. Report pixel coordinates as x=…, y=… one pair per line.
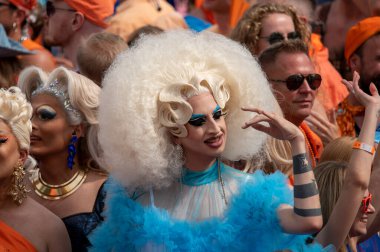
x=18, y=190
x=72, y=150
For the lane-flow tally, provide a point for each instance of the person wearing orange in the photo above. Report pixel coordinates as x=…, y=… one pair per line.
x=362, y=52
x=68, y=22
x=295, y=82
x=14, y=16
x=134, y=14
x=16, y=208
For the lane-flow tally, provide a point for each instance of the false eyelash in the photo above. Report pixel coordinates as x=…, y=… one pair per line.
x=3, y=140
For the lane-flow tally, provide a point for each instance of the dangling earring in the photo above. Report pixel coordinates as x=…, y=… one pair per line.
x=14, y=26
x=18, y=190
x=72, y=150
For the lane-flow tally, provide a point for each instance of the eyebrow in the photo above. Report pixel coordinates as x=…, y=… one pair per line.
x=197, y=116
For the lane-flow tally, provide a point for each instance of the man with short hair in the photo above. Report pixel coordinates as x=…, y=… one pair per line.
x=294, y=81
x=362, y=52
x=68, y=22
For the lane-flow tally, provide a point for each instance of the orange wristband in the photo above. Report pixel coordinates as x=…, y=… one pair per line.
x=363, y=146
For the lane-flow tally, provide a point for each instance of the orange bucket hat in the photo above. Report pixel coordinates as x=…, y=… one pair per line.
x=96, y=11
x=27, y=5
x=360, y=33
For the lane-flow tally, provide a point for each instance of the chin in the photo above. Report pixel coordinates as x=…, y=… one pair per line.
x=358, y=230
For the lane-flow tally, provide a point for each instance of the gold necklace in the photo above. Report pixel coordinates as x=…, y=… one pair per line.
x=56, y=192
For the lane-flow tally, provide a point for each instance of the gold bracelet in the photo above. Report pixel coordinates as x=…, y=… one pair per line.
x=363, y=146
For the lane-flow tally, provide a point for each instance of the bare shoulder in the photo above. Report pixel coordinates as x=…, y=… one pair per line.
x=40, y=214
x=47, y=226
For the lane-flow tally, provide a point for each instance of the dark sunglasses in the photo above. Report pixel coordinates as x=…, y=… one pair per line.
x=277, y=37
x=198, y=120
x=293, y=82
x=50, y=9
x=4, y=4
x=365, y=203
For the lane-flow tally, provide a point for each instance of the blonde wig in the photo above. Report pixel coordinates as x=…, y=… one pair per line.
x=79, y=97
x=143, y=103
x=248, y=30
x=16, y=111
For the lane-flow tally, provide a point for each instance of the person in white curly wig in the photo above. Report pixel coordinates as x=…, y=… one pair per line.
x=16, y=207
x=166, y=110
x=69, y=179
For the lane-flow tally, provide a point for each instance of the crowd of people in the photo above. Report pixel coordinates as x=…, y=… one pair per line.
x=207, y=125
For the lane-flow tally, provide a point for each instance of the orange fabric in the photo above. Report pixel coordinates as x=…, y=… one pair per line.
x=24, y=4
x=345, y=118
x=96, y=11
x=134, y=14
x=315, y=147
x=34, y=46
x=237, y=9
x=359, y=33
x=31, y=45
x=11, y=240
x=332, y=91
x=313, y=140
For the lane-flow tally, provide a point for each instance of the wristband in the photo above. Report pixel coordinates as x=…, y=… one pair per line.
x=363, y=146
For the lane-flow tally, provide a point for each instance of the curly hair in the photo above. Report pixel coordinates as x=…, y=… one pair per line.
x=144, y=102
x=83, y=96
x=16, y=111
x=248, y=30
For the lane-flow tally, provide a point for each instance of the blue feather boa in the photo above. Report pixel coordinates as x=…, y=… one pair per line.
x=250, y=223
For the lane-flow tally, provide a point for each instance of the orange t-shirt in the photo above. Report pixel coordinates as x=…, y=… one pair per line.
x=11, y=240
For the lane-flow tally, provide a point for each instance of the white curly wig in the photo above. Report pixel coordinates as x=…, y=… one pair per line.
x=143, y=102
x=16, y=111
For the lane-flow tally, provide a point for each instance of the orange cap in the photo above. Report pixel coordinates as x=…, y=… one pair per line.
x=360, y=33
x=24, y=4
x=96, y=11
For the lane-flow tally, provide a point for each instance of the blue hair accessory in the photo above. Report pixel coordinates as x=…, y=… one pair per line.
x=72, y=151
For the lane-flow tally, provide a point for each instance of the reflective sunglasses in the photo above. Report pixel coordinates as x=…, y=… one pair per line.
x=277, y=37
x=293, y=82
x=50, y=9
x=198, y=120
x=365, y=203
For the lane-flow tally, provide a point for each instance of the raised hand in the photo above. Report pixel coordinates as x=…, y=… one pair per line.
x=279, y=127
x=365, y=99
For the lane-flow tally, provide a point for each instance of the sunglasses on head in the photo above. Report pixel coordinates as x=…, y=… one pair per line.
x=198, y=120
x=293, y=82
x=365, y=203
x=277, y=37
x=50, y=9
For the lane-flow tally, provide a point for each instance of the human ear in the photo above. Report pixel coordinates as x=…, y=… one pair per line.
x=77, y=21
x=23, y=155
x=79, y=130
x=355, y=62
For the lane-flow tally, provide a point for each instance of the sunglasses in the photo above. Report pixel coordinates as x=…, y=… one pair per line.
x=50, y=9
x=293, y=82
x=4, y=4
x=277, y=37
x=198, y=120
x=365, y=203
